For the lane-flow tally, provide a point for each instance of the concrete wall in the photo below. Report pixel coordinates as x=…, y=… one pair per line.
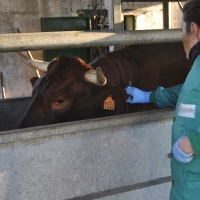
x=26, y=15
x=121, y=157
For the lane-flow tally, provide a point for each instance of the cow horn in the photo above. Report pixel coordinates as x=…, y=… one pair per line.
x=95, y=76
x=36, y=64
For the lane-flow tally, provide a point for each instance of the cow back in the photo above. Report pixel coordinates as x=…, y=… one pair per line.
x=146, y=66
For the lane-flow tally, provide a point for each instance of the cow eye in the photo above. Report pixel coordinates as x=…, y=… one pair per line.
x=60, y=101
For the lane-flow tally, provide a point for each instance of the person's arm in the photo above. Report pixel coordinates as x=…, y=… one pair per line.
x=165, y=97
x=162, y=97
x=182, y=150
x=194, y=140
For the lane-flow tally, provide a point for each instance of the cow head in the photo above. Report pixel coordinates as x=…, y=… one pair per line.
x=71, y=90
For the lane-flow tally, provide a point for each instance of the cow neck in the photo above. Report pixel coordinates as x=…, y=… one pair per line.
x=194, y=52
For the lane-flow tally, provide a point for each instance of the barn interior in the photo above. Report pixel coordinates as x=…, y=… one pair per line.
x=112, y=158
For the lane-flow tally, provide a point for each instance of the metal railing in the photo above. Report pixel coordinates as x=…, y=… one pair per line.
x=77, y=39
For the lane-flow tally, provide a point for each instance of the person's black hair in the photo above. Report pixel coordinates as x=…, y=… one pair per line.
x=191, y=13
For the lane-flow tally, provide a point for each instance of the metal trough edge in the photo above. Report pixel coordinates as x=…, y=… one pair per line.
x=83, y=125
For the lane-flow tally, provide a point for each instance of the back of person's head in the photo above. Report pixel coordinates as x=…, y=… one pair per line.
x=191, y=13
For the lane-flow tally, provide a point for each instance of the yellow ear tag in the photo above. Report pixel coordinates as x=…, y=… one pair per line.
x=109, y=104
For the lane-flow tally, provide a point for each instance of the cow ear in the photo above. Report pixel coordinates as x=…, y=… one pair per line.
x=33, y=80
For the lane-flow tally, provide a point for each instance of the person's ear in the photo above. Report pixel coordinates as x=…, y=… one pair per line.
x=194, y=29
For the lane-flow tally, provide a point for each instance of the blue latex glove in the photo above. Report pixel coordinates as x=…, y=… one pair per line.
x=137, y=96
x=179, y=155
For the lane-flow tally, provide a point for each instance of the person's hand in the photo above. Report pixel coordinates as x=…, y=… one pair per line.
x=136, y=95
x=179, y=155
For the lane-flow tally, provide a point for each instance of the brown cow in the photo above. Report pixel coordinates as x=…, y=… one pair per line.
x=66, y=92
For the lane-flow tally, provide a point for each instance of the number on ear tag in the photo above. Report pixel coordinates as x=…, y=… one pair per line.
x=109, y=104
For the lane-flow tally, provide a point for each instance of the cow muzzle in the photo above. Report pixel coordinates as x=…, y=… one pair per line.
x=96, y=77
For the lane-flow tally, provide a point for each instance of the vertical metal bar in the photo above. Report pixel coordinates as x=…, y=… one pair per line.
x=118, y=21
x=1, y=86
x=110, y=7
x=165, y=15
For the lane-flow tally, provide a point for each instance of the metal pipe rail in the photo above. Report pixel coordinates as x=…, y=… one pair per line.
x=152, y=1
x=77, y=39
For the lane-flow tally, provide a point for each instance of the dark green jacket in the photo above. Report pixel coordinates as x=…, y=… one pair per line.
x=186, y=100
